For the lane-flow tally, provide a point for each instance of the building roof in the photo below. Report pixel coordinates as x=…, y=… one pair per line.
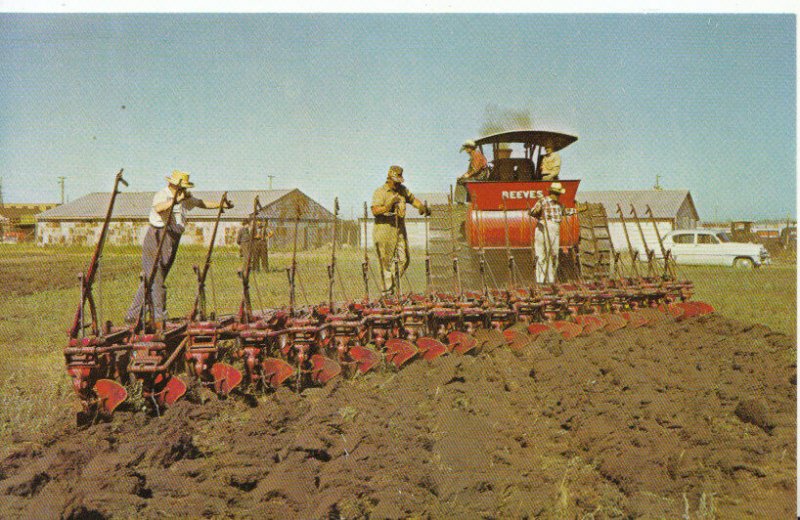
x=137, y=205
x=666, y=204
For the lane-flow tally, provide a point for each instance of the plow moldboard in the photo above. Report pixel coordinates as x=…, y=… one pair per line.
x=398, y=351
x=365, y=358
x=173, y=390
x=461, y=342
x=276, y=371
x=323, y=369
x=431, y=348
x=226, y=378
x=111, y=394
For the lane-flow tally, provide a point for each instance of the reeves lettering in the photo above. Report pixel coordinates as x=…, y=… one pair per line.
x=523, y=194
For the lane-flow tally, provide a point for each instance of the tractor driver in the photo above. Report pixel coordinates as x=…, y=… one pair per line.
x=478, y=169
x=391, y=242
x=160, y=222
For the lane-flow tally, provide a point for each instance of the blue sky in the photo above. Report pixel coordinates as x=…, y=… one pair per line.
x=327, y=102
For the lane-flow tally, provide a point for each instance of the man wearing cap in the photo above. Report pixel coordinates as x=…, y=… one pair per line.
x=478, y=169
x=548, y=213
x=551, y=164
x=389, y=208
x=161, y=221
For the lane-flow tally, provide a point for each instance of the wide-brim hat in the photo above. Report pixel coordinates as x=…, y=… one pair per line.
x=556, y=187
x=468, y=145
x=180, y=179
x=395, y=173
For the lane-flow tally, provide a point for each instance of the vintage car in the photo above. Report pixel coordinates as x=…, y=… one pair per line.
x=708, y=247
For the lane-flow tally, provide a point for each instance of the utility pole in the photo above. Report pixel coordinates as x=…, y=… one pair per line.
x=270, y=180
x=61, y=182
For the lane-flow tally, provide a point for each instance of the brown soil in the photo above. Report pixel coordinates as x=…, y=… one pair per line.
x=41, y=270
x=676, y=420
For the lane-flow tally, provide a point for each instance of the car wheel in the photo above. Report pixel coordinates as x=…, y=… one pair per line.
x=743, y=263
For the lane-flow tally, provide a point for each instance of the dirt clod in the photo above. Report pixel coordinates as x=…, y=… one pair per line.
x=755, y=412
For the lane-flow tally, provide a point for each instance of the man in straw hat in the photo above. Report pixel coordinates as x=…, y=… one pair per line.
x=389, y=233
x=548, y=213
x=160, y=222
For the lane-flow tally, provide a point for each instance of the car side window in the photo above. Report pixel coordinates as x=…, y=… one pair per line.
x=684, y=238
x=707, y=239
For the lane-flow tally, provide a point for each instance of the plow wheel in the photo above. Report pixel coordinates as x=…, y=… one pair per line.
x=226, y=378
x=366, y=359
x=110, y=394
x=430, y=348
x=276, y=371
x=323, y=369
x=398, y=351
x=461, y=342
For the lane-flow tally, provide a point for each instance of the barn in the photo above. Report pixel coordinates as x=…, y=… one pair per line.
x=79, y=222
x=671, y=209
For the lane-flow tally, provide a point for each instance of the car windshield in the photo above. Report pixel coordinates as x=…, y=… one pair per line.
x=723, y=237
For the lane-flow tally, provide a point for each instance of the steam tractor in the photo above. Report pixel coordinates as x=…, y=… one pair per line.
x=494, y=222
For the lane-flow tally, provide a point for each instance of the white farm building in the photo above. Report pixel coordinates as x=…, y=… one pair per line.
x=79, y=222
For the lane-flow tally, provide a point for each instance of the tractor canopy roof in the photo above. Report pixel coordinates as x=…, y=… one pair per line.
x=529, y=138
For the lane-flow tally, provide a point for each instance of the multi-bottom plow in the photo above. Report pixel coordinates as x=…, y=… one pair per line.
x=312, y=345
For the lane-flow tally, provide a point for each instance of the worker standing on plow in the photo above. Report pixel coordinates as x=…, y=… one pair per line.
x=179, y=200
x=548, y=213
x=389, y=233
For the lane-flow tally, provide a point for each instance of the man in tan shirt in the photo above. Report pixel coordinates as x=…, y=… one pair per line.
x=389, y=233
x=551, y=164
